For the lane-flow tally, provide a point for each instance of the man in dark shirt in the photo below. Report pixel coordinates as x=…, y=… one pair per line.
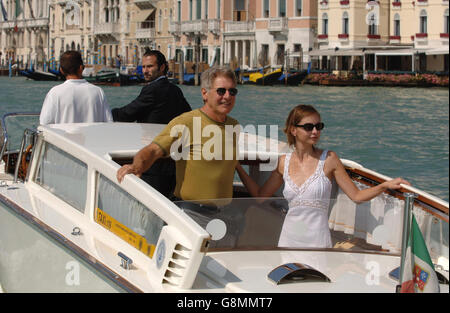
x=159, y=102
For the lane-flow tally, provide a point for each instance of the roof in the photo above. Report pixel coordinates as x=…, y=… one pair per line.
x=125, y=139
x=103, y=138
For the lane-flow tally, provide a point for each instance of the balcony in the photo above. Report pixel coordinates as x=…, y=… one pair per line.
x=145, y=34
x=144, y=4
x=343, y=37
x=345, y=3
x=175, y=28
x=323, y=4
x=373, y=37
x=322, y=38
x=199, y=27
x=239, y=27
x=422, y=2
x=444, y=35
x=28, y=23
x=105, y=30
x=38, y=22
x=421, y=37
x=396, y=4
x=394, y=39
x=278, y=25
x=214, y=26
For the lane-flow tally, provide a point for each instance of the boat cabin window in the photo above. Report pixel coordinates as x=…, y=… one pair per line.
x=126, y=217
x=63, y=175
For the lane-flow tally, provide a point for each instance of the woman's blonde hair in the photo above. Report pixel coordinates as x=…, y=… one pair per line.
x=295, y=116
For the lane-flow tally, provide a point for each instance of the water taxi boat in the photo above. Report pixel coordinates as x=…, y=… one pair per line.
x=67, y=225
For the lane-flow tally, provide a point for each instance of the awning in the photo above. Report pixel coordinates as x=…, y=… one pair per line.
x=142, y=15
x=437, y=51
x=395, y=52
x=333, y=52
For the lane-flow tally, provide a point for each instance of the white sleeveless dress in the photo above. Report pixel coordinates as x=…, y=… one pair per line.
x=306, y=223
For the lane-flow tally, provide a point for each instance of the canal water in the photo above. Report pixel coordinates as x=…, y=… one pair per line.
x=394, y=131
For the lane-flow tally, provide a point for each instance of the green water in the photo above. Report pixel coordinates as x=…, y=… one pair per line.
x=394, y=131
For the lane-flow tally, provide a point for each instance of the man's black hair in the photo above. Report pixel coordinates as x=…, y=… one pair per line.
x=160, y=58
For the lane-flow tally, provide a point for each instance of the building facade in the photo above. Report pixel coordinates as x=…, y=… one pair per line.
x=333, y=34
x=391, y=35
x=24, y=37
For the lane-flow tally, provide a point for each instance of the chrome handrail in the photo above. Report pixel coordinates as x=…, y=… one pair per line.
x=27, y=134
x=5, y=131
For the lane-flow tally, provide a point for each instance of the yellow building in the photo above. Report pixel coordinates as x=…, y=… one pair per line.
x=381, y=35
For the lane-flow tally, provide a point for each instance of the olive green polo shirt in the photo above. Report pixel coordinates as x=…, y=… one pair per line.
x=206, y=155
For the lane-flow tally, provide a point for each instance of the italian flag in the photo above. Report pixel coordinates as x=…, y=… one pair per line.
x=418, y=272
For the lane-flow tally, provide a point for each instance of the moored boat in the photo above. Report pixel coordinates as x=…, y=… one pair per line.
x=292, y=78
x=83, y=231
x=39, y=75
x=265, y=79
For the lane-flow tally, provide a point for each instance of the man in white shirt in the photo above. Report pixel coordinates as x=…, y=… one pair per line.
x=76, y=100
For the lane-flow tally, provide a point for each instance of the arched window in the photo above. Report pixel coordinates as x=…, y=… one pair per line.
x=345, y=23
x=373, y=29
x=325, y=24
x=423, y=22
x=396, y=24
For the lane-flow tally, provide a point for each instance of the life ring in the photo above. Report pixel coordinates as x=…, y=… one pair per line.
x=23, y=168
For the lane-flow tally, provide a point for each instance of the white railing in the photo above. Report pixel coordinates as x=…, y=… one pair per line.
x=214, y=26
x=145, y=33
x=239, y=27
x=38, y=22
x=278, y=24
x=200, y=26
x=106, y=28
x=174, y=27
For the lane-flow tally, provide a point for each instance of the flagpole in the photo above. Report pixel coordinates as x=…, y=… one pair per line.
x=407, y=213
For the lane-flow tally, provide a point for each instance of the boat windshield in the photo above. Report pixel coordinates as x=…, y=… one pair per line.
x=256, y=223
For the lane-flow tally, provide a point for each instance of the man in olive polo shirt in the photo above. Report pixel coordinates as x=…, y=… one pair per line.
x=205, y=167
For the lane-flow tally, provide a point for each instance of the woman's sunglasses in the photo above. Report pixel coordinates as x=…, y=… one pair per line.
x=309, y=126
x=222, y=91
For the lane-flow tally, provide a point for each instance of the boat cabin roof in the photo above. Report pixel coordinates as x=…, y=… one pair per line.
x=122, y=140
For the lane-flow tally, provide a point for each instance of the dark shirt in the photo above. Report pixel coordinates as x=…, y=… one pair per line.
x=159, y=102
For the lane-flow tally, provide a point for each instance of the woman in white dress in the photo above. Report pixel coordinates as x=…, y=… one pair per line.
x=307, y=173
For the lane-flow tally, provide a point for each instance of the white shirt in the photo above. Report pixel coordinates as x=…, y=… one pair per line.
x=306, y=223
x=75, y=101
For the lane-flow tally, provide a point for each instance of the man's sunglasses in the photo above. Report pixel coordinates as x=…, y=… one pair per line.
x=222, y=91
x=309, y=126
